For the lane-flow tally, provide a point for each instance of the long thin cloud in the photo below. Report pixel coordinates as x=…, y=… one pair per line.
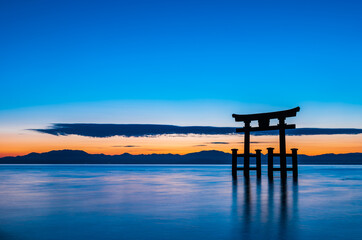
x=144, y=130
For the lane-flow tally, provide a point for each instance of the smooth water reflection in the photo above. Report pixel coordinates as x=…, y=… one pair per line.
x=266, y=211
x=177, y=202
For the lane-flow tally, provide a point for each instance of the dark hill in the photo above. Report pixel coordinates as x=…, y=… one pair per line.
x=203, y=157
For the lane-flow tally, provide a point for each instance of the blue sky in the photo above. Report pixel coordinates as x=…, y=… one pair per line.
x=278, y=53
x=184, y=63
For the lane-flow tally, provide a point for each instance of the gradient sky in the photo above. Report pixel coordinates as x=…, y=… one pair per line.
x=177, y=62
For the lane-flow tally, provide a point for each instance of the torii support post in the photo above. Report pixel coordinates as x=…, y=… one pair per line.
x=234, y=162
x=270, y=162
x=295, y=162
x=258, y=162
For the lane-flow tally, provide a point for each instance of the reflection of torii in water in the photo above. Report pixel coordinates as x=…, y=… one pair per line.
x=268, y=205
x=264, y=125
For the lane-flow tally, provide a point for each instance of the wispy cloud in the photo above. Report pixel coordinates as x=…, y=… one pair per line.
x=149, y=130
x=126, y=146
x=218, y=143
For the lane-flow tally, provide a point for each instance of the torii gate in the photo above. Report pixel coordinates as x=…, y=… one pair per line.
x=264, y=125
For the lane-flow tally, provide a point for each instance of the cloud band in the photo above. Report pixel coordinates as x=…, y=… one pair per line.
x=146, y=130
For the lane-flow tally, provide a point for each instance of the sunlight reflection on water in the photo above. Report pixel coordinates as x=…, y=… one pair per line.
x=177, y=202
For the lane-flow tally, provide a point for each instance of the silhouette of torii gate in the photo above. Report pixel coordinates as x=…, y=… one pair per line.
x=264, y=125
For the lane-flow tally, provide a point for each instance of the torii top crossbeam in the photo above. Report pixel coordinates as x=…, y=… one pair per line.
x=270, y=115
x=264, y=120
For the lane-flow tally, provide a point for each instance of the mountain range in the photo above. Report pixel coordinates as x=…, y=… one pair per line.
x=203, y=157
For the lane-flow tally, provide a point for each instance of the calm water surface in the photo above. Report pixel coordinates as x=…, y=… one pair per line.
x=45, y=202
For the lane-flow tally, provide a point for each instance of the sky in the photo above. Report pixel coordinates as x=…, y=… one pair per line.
x=184, y=63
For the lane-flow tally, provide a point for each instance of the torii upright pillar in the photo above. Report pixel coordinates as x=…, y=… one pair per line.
x=282, y=147
x=247, y=148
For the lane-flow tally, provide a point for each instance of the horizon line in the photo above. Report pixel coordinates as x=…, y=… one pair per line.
x=78, y=150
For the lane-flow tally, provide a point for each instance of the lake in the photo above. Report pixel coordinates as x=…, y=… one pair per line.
x=46, y=202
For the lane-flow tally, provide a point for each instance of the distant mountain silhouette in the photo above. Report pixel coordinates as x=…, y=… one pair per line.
x=203, y=157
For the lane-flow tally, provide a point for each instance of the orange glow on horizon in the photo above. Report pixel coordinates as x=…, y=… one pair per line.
x=22, y=144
